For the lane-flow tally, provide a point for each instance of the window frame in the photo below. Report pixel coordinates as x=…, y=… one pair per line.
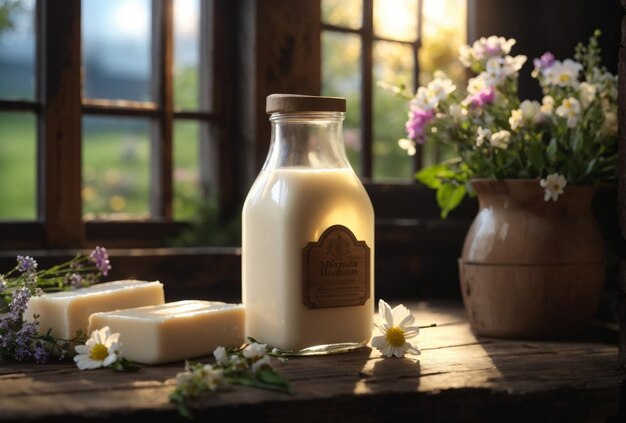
x=60, y=105
x=368, y=37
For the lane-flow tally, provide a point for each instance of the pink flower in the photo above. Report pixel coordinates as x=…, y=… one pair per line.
x=418, y=119
x=486, y=96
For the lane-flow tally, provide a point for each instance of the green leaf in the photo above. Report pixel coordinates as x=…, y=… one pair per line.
x=535, y=155
x=449, y=196
x=269, y=375
x=430, y=175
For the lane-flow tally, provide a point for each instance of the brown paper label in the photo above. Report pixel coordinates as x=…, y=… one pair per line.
x=336, y=270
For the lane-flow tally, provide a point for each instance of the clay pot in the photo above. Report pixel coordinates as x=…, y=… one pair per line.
x=532, y=268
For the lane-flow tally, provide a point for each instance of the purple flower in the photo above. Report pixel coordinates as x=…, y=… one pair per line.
x=418, y=119
x=18, y=304
x=546, y=61
x=101, y=258
x=40, y=354
x=486, y=96
x=26, y=264
x=75, y=280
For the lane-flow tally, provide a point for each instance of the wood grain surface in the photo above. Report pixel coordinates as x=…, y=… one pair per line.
x=459, y=377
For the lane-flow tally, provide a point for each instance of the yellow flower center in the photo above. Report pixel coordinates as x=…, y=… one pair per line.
x=395, y=337
x=565, y=77
x=98, y=352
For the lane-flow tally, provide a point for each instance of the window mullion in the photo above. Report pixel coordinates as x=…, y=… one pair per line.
x=60, y=138
x=418, y=158
x=366, y=88
x=161, y=142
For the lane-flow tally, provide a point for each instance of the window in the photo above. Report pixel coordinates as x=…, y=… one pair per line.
x=115, y=126
x=367, y=43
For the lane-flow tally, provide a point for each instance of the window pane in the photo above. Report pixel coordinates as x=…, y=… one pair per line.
x=18, y=166
x=396, y=19
x=186, y=55
x=187, y=156
x=116, y=49
x=445, y=29
x=17, y=49
x=444, y=23
x=116, y=168
x=393, y=63
x=341, y=77
x=346, y=13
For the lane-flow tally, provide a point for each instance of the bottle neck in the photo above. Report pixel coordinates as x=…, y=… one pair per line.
x=307, y=140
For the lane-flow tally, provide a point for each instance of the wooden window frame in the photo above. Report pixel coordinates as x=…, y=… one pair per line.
x=368, y=37
x=60, y=106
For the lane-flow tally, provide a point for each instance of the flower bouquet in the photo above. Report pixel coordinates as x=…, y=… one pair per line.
x=570, y=137
x=534, y=244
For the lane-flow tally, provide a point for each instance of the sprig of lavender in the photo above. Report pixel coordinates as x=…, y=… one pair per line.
x=23, y=341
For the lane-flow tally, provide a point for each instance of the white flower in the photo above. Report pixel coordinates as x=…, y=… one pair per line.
x=101, y=350
x=441, y=87
x=500, y=139
x=564, y=74
x=478, y=83
x=458, y=113
x=525, y=115
x=587, y=94
x=500, y=68
x=408, y=145
x=255, y=350
x=221, y=357
x=516, y=119
x=482, y=135
x=396, y=329
x=553, y=184
x=263, y=361
x=485, y=48
x=547, y=105
x=425, y=99
x=237, y=362
x=214, y=378
x=569, y=109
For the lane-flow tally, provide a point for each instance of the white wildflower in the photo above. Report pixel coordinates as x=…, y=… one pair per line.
x=214, y=378
x=425, y=99
x=500, y=139
x=570, y=110
x=255, y=350
x=500, y=68
x=396, y=329
x=221, y=357
x=101, y=350
x=547, y=105
x=482, y=135
x=516, y=119
x=609, y=127
x=553, y=185
x=408, y=145
x=564, y=74
x=263, y=361
x=587, y=93
x=478, y=83
x=441, y=87
x=457, y=112
x=484, y=48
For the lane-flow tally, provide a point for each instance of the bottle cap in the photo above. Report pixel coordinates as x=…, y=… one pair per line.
x=288, y=103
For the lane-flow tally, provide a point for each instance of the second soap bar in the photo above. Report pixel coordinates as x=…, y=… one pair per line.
x=174, y=331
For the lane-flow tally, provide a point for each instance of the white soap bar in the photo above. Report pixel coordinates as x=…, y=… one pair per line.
x=68, y=311
x=174, y=331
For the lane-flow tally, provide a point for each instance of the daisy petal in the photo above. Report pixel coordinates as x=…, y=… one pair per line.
x=387, y=351
x=379, y=342
x=114, y=337
x=82, y=349
x=93, y=364
x=112, y=358
x=80, y=357
x=385, y=311
x=398, y=352
x=400, y=312
x=409, y=319
x=413, y=349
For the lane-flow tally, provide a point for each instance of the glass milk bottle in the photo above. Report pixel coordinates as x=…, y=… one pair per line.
x=308, y=235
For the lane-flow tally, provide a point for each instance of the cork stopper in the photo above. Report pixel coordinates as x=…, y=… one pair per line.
x=289, y=103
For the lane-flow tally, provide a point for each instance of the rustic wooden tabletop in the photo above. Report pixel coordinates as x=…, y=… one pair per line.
x=458, y=378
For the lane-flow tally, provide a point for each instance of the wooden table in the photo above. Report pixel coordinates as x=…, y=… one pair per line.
x=459, y=378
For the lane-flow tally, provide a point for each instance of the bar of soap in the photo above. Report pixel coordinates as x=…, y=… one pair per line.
x=68, y=311
x=174, y=331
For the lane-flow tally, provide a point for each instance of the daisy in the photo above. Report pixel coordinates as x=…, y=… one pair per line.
x=101, y=350
x=396, y=329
